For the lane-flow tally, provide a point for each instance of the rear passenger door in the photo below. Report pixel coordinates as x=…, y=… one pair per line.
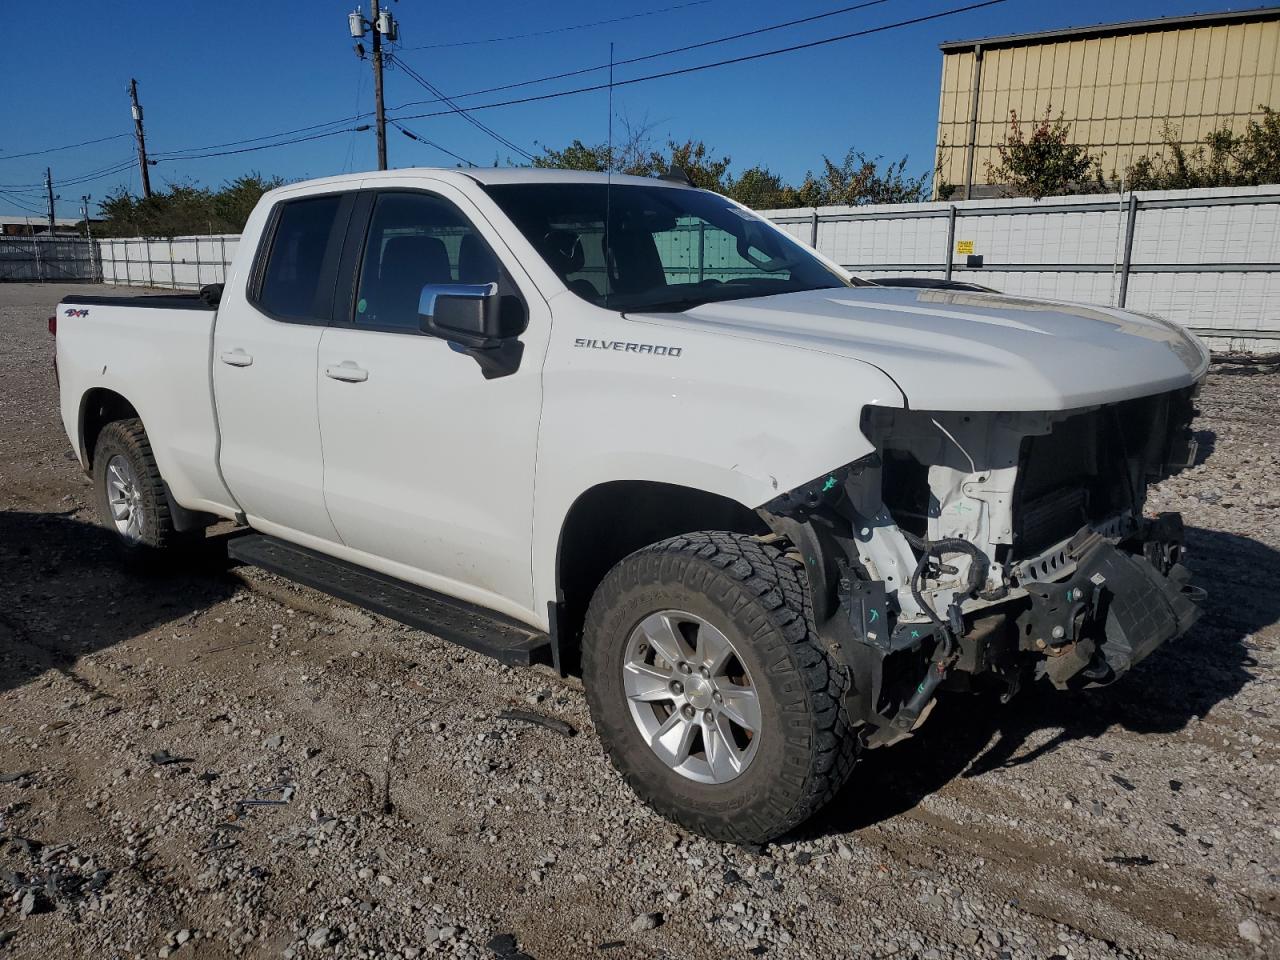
x=428, y=466
x=264, y=368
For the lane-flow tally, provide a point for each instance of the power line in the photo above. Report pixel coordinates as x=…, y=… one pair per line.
x=428, y=85
x=20, y=204
x=351, y=142
x=89, y=178
x=97, y=174
x=544, y=33
x=413, y=136
x=68, y=146
x=267, y=146
x=173, y=154
x=660, y=53
x=192, y=153
x=719, y=63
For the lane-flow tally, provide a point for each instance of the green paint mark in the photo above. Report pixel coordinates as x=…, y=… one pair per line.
x=829, y=485
x=875, y=615
x=360, y=307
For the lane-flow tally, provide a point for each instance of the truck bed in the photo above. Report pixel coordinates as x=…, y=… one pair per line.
x=154, y=351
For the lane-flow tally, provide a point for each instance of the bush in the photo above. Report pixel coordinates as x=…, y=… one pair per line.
x=1045, y=163
x=1223, y=159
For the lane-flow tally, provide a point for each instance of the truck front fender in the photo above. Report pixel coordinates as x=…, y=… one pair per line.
x=737, y=419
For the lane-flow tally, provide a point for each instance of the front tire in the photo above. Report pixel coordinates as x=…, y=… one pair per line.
x=710, y=689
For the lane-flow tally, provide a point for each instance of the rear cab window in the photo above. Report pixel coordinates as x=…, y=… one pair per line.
x=297, y=267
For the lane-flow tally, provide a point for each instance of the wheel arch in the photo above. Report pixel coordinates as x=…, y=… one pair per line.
x=101, y=406
x=98, y=407
x=613, y=519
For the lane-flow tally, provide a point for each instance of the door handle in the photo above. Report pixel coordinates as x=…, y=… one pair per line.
x=235, y=358
x=348, y=372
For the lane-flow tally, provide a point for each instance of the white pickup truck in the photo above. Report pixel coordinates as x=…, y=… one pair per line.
x=765, y=509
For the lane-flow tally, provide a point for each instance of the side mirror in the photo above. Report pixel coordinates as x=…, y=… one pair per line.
x=468, y=314
x=473, y=319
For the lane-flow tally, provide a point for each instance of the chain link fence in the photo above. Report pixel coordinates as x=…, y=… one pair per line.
x=49, y=259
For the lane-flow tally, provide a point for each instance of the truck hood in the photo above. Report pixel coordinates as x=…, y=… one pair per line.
x=962, y=350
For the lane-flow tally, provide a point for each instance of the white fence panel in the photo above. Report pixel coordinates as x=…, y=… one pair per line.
x=179, y=263
x=1208, y=259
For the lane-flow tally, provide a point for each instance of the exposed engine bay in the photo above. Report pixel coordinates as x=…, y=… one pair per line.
x=978, y=549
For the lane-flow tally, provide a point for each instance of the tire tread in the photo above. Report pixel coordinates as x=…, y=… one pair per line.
x=129, y=437
x=771, y=586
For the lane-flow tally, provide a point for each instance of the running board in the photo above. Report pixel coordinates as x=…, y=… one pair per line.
x=457, y=621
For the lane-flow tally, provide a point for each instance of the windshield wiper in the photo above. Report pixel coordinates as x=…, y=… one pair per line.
x=678, y=305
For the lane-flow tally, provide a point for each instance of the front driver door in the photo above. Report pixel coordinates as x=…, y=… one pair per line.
x=428, y=466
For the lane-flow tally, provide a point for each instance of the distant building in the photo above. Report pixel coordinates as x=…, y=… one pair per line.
x=1115, y=84
x=30, y=224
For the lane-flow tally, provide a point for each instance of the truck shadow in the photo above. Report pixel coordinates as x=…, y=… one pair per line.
x=65, y=593
x=968, y=736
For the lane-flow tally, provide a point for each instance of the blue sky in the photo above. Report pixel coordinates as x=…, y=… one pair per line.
x=209, y=73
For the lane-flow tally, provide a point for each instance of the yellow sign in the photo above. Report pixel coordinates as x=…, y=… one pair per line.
x=964, y=247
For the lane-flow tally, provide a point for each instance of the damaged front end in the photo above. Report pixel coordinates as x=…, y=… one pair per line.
x=979, y=549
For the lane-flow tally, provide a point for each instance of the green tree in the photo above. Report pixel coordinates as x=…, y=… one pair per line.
x=236, y=200
x=576, y=156
x=857, y=179
x=184, y=208
x=696, y=159
x=762, y=189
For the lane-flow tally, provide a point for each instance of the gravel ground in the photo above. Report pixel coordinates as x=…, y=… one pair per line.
x=215, y=763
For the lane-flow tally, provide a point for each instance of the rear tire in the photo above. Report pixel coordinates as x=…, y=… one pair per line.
x=690, y=595
x=130, y=493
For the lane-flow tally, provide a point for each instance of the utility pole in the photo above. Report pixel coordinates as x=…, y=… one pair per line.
x=94, y=273
x=380, y=121
x=141, y=138
x=382, y=24
x=48, y=189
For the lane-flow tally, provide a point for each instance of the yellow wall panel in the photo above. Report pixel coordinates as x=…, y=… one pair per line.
x=1117, y=92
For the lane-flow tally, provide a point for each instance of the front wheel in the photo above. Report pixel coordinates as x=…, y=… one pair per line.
x=710, y=689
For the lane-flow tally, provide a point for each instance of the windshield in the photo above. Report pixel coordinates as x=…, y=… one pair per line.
x=665, y=249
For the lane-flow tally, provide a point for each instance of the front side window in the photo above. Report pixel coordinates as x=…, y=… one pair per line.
x=665, y=248
x=416, y=239
x=292, y=283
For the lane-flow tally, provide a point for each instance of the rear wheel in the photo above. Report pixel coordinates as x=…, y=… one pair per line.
x=130, y=494
x=710, y=689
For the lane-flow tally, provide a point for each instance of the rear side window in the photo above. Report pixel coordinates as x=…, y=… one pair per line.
x=293, y=283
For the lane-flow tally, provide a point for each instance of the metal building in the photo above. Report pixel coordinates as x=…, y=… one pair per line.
x=1115, y=84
